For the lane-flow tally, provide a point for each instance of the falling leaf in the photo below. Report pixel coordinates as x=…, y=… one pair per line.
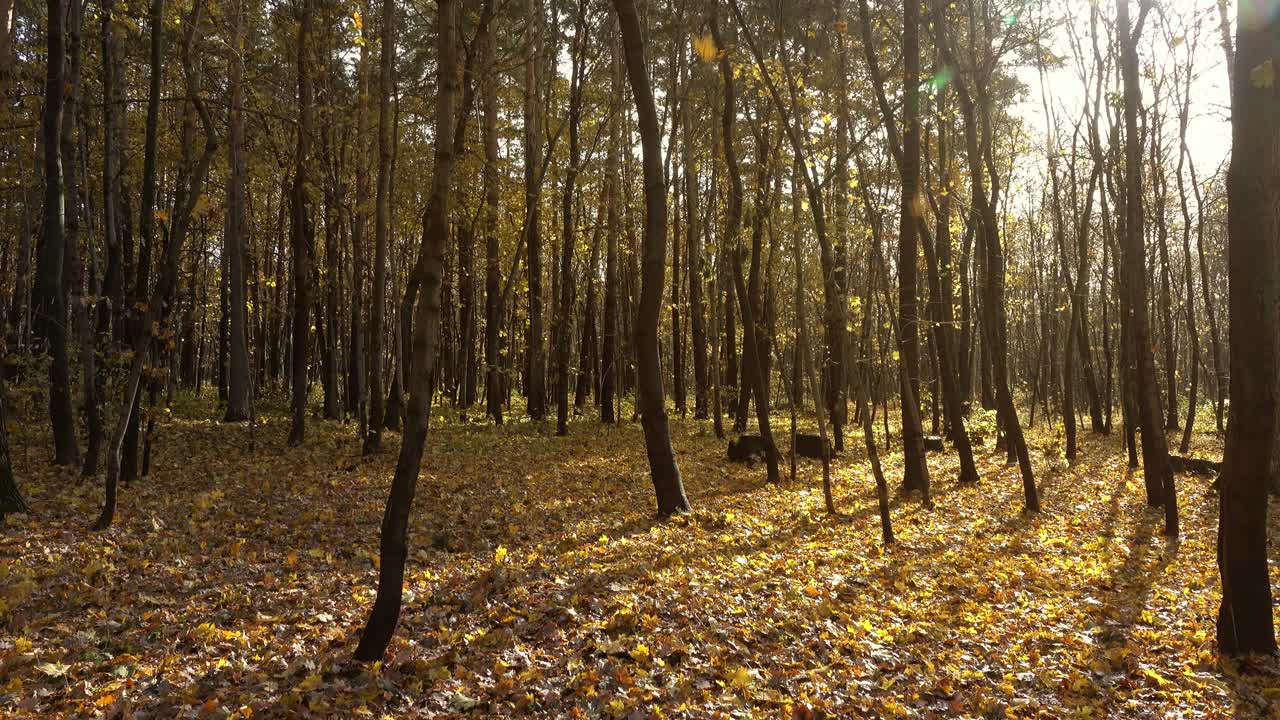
x=705, y=47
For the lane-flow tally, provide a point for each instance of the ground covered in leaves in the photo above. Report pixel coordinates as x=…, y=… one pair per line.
x=235, y=581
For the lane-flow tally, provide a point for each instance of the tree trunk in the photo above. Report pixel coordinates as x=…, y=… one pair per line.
x=50, y=296
x=382, y=228
x=236, y=232
x=1245, y=618
x=667, y=484
x=537, y=402
x=915, y=470
x=1155, y=450
x=493, y=307
x=938, y=259
x=10, y=496
x=610, y=358
x=568, y=238
x=158, y=309
x=693, y=248
x=995, y=343
x=394, y=546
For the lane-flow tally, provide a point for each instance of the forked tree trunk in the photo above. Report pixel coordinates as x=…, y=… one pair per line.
x=995, y=343
x=1155, y=449
x=50, y=297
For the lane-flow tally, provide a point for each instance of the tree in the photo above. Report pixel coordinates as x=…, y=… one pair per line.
x=568, y=240
x=995, y=323
x=301, y=233
x=536, y=363
x=1245, y=619
x=382, y=228
x=10, y=496
x=915, y=474
x=394, y=543
x=610, y=357
x=1157, y=471
x=159, y=307
x=50, y=296
x=236, y=230
x=667, y=484
x=492, y=277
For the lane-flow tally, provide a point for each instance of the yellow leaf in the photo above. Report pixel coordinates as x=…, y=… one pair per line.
x=705, y=47
x=53, y=669
x=640, y=653
x=740, y=678
x=500, y=555
x=22, y=645
x=1154, y=676
x=311, y=682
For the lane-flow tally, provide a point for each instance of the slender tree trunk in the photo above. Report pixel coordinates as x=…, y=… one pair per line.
x=587, y=371
x=995, y=342
x=158, y=309
x=568, y=237
x=1160, y=200
x=493, y=308
x=50, y=296
x=1193, y=333
x=667, y=484
x=79, y=214
x=236, y=231
x=1219, y=365
x=394, y=546
x=537, y=365
x=382, y=228
x=1155, y=450
x=938, y=259
x=693, y=247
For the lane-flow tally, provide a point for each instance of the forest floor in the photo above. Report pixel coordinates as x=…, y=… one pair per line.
x=235, y=582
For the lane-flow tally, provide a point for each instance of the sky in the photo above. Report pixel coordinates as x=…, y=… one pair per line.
x=1209, y=128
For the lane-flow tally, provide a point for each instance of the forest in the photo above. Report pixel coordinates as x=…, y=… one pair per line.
x=639, y=358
